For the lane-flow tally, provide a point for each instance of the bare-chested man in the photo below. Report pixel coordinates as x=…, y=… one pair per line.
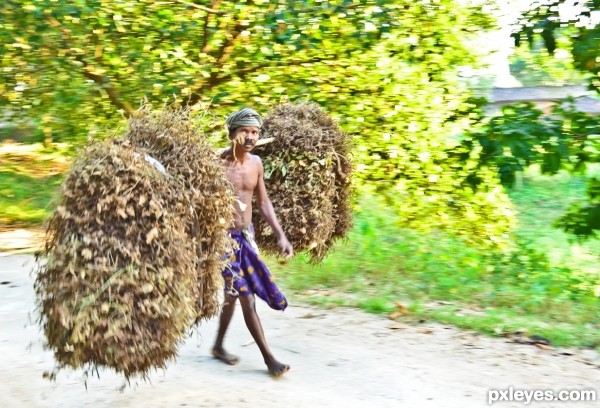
x=247, y=275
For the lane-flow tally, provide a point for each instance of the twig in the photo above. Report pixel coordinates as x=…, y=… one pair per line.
x=104, y=83
x=91, y=299
x=338, y=169
x=214, y=80
x=199, y=7
x=88, y=69
x=265, y=141
x=205, y=41
x=259, y=143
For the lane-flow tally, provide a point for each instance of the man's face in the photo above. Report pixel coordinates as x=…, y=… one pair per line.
x=247, y=136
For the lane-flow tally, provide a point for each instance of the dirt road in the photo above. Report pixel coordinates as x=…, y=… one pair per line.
x=339, y=358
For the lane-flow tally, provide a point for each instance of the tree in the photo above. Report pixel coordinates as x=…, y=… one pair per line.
x=548, y=21
x=522, y=135
x=535, y=66
x=386, y=69
x=111, y=54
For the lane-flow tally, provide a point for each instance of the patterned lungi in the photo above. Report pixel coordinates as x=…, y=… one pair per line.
x=247, y=274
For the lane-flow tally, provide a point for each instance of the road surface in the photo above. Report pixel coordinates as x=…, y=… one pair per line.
x=339, y=358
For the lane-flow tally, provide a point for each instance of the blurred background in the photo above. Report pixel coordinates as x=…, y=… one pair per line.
x=475, y=131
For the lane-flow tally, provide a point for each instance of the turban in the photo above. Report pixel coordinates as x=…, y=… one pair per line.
x=245, y=117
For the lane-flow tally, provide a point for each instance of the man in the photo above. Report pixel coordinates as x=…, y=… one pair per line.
x=246, y=274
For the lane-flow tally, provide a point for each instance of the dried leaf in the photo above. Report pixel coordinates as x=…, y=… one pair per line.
x=153, y=233
x=86, y=253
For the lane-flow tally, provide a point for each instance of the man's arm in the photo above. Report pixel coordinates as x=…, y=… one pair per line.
x=266, y=210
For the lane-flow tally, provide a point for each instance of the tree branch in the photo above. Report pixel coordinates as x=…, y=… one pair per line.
x=227, y=46
x=242, y=73
x=214, y=80
x=104, y=82
x=221, y=56
x=199, y=7
x=205, y=47
x=89, y=70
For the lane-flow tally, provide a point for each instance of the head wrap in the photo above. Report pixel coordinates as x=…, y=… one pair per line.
x=245, y=117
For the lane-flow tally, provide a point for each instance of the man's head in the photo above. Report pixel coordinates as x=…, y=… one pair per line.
x=244, y=127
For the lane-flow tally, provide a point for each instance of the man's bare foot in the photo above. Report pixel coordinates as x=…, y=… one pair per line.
x=276, y=369
x=221, y=354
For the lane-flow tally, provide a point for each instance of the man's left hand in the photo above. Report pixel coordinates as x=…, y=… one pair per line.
x=287, y=251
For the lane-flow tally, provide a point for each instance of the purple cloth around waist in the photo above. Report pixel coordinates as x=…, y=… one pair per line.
x=247, y=274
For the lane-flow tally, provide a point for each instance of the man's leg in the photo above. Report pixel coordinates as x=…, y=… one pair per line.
x=226, y=314
x=276, y=369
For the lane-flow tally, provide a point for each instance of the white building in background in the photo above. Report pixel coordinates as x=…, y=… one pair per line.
x=509, y=12
x=505, y=88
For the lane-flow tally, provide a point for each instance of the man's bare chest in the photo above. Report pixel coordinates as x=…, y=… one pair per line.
x=243, y=178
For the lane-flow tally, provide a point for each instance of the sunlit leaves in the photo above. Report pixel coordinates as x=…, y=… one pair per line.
x=582, y=219
x=522, y=135
x=387, y=70
x=547, y=22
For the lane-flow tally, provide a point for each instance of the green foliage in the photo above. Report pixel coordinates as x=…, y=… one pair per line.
x=582, y=219
x=437, y=276
x=535, y=66
x=387, y=70
x=516, y=138
x=25, y=199
x=522, y=135
x=545, y=22
x=104, y=56
x=30, y=177
x=583, y=135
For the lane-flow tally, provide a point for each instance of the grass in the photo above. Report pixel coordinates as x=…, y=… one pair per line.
x=540, y=201
x=546, y=286
x=29, y=180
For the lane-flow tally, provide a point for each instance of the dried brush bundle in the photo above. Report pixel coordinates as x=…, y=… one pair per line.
x=307, y=174
x=134, y=255
x=170, y=137
x=116, y=286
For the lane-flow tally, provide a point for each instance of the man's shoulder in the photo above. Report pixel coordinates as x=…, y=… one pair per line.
x=226, y=155
x=255, y=159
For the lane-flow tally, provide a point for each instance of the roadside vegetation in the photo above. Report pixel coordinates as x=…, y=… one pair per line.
x=545, y=285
